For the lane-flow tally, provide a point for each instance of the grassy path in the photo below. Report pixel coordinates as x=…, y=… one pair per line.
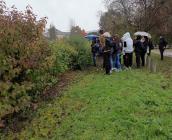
x=130, y=105
x=168, y=52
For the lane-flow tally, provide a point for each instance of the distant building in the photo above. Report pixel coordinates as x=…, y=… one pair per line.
x=59, y=34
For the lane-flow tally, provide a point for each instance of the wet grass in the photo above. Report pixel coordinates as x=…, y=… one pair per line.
x=130, y=105
x=165, y=66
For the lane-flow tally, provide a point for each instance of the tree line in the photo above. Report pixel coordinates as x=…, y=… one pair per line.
x=154, y=16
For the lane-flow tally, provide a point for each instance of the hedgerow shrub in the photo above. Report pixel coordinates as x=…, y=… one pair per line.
x=28, y=63
x=63, y=56
x=22, y=50
x=70, y=53
x=83, y=56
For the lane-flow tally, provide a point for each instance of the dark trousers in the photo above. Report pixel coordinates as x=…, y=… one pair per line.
x=143, y=59
x=128, y=59
x=107, y=63
x=138, y=57
x=162, y=53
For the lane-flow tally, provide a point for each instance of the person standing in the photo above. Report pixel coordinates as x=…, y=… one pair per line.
x=118, y=52
x=127, y=50
x=162, y=46
x=113, y=53
x=144, y=47
x=94, y=50
x=102, y=41
x=138, y=49
x=106, y=56
x=102, y=45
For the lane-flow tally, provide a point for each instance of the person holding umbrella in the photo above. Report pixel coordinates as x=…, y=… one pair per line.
x=144, y=47
x=138, y=50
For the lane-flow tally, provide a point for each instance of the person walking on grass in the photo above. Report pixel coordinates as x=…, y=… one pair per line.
x=162, y=46
x=127, y=50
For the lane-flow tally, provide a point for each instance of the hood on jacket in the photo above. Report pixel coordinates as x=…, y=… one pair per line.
x=126, y=36
x=129, y=43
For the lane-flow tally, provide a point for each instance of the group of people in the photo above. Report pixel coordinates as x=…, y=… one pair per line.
x=112, y=48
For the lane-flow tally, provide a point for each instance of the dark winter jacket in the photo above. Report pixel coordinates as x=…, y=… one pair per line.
x=107, y=53
x=94, y=48
x=108, y=45
x=145, y=45
x=138, y=46
x=162, y=43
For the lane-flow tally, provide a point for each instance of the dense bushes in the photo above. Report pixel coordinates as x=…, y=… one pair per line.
x=64, y=55
x=21, y=50
x=28, y=63
x=70, y=53
x=82, y=58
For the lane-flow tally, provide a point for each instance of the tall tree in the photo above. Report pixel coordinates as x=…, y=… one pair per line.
x=131, y=15
x=76, y=30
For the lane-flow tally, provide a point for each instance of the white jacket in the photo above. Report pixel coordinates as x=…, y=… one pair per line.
x=129, y=42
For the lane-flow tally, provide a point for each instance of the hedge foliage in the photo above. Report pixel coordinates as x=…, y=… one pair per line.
x=28, y=63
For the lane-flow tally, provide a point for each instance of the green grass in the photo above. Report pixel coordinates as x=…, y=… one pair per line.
x=164, y=67
x=130, y=105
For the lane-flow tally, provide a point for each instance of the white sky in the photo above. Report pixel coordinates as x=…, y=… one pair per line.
x=60, y=12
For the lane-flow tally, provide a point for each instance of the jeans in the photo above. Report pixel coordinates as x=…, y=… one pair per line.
x=94, y=59
x=100, y=52
x=112, y=60
x=117, y=61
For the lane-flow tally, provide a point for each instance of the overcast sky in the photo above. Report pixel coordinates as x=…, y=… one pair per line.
x=60, y=12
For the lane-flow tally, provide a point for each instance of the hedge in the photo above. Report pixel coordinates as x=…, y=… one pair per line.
x=28, y=62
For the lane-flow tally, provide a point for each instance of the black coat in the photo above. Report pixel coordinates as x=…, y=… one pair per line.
x=162, y=43
x=106, y=55
x=145, y=46
x=138, y=46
